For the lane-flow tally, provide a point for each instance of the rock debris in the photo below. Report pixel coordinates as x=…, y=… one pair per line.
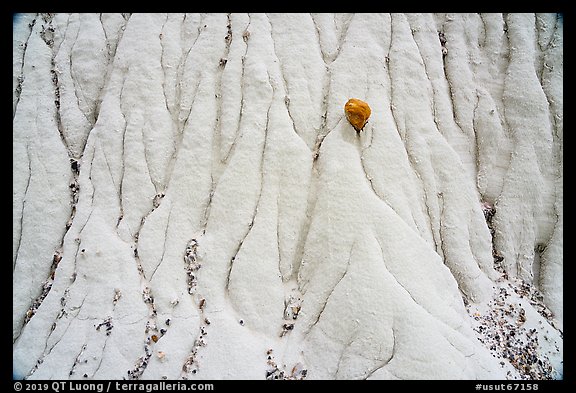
x=503, y=330
x=273, y=371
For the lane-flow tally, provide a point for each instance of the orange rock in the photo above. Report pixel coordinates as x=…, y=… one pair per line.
x=357, y=113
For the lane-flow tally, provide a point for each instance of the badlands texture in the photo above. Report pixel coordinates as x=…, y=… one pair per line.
x=190, y=201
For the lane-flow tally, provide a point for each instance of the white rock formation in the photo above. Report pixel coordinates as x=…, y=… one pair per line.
x=188, y=194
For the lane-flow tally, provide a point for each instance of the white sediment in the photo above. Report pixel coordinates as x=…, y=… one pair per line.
x=189, y=200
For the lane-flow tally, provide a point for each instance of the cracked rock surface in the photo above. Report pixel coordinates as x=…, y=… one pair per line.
x=189, y=200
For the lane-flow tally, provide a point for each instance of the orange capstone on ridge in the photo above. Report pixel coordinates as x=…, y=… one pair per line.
x=357, y=113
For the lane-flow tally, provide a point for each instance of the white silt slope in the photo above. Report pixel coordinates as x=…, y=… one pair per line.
x=190, y=201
